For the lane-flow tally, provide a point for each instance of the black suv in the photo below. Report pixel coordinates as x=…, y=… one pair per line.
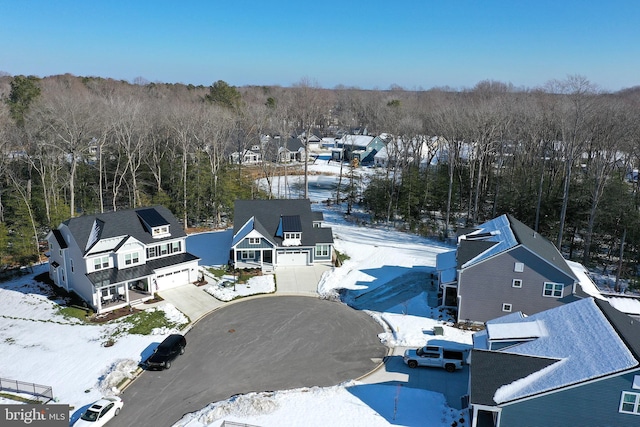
x=168, y=350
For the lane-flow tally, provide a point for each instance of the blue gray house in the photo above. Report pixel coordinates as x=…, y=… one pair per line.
x=503, y=266
x=574, y=365
x=279, y=232
x=362, y=148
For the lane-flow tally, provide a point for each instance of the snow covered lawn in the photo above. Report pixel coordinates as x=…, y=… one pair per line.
x=387, y=274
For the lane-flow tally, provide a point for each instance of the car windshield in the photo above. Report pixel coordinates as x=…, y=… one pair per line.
x=420, y=351
x=90, y=415
x=163, y=351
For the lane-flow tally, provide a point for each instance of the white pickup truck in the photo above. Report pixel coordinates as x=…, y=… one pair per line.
x=435, y=356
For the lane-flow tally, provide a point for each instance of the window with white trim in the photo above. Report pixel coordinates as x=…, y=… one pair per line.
x=517, y=283
x=322, y=250
x=296, y=236
x=507, y=307
x=132, y=258
x=553, y=290
x=630, y=403
x=254, y=240
x=248, y=254
x=519, y=267
x=101, y=263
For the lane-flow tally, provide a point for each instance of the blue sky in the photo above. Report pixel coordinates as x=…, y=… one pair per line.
x=369, y=44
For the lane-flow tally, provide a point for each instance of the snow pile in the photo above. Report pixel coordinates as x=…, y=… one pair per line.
x=264, y=284
x=415, y=331
x=354, y=405
x=116, y=374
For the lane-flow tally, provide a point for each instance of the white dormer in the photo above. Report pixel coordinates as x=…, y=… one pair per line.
x=155, y=223
x=290, y=230
x=160, y=231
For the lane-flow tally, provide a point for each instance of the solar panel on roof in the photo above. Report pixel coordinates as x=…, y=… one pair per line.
x=291, y=223
x=152, y=217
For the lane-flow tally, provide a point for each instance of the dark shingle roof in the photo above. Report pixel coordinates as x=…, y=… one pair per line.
x=469, y=249
x=267, y=214
x=113, y=275
x=490, y=370
x=291, y=223
x=152, y=217
x=541, y=246
x=122, y=223
x=58, y=235
x=626, y=326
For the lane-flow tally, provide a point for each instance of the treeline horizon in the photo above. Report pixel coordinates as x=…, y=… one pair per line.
x=560, y=157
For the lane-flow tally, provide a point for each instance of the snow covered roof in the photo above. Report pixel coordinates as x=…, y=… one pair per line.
x=628, y=305
x=501, y=234
x=496, y=235
x=516, y=330
x=585, y=281
x=577, y=342
x=356, y=140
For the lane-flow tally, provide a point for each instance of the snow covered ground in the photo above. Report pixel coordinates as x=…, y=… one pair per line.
x=387, y=274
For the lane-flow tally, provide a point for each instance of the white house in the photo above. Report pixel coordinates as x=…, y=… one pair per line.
x=120, y=258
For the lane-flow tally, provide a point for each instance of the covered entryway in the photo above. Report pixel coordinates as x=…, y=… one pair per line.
x=293, y=257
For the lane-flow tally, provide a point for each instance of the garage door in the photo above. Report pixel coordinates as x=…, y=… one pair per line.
x=293, y=258
x=171, y=280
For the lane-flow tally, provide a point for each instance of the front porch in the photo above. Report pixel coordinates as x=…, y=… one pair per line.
x=258, y=258
x=123, y=294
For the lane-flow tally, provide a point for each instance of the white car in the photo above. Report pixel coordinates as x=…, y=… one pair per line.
x=100, y=412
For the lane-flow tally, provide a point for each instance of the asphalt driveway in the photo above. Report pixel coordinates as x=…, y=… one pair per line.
x=259, y=344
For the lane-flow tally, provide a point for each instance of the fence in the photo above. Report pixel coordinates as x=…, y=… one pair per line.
x=42, y=393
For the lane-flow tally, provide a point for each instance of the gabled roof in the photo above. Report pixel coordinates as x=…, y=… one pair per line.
x=87, y=230
x=114, y=275
x=586, y=339
x=501, y=234
x=498, y=369
x=267, y=217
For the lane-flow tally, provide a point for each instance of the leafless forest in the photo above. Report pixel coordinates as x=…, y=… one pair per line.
x=562, y=158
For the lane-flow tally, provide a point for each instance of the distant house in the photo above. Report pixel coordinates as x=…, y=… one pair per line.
x=246, y=156
x=420, y=150
x=503, y=266
x=120, y=258
x=278, y=232
x=362, y=148
x=573, y=365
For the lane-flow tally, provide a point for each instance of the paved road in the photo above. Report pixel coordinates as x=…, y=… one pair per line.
x=261, y=344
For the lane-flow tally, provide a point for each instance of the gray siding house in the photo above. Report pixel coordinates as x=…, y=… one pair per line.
x=122, y=258
x=574, y=365
x=278, y=232
x=503, y=266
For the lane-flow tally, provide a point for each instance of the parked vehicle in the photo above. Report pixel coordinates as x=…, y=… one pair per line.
x=100, y=412
x=435, y=356
x=166, y=352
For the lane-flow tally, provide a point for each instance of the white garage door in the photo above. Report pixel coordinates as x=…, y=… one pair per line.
x=171, y=280
x=293, y=258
